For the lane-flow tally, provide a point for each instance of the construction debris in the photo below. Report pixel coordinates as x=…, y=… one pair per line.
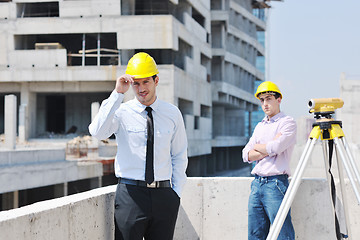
x=80, y=147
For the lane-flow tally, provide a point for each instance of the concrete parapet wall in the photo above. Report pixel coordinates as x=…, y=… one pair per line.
x=4, y=11
x=26, y=176
x=89, y=8
x=159, y=29
x=211, y=208
x=85, y=215
x=194, y=27
x=30, y=168
x=193, y=69
x=38, y=58
x=31, y=156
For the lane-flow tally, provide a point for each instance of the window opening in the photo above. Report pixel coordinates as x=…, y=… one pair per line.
x=55, y=114
x=198, y=17
x=44, y=9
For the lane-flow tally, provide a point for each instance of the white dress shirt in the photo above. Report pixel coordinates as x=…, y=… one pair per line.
x=128, y=122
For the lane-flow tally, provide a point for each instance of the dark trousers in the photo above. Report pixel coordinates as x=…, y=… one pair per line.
x=145, y=212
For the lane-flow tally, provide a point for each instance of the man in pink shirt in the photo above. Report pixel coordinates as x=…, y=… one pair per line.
x=270, y=147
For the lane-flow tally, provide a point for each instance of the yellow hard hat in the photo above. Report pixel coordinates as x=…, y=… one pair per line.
x=141, y=65
x=267, y=86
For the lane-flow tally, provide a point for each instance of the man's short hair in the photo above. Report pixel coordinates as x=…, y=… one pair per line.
x=275, y=94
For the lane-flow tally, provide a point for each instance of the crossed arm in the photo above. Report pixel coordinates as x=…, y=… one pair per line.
x=259, y=151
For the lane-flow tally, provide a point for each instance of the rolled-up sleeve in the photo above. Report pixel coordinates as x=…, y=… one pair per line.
x=249, y=146
x=104, y=123
x=286, y=140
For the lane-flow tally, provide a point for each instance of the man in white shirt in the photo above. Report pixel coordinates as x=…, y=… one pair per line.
x=151, y=158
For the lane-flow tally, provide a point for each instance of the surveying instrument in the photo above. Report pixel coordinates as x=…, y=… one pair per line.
x=330, y=132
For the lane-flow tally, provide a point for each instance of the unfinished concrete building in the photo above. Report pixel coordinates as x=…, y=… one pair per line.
x=349, y=114
x=60, y=56
x=235, y=50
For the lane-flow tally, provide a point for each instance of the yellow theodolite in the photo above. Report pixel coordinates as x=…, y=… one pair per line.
x=325, y=105
x=325, y=127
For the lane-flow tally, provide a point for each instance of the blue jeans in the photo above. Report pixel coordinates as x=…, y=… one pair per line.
x=266, y=196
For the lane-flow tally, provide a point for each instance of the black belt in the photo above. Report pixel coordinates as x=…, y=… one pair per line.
x=155, y=184
x=282, y=176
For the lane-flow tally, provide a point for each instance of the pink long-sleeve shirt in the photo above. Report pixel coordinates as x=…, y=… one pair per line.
x=279, y=150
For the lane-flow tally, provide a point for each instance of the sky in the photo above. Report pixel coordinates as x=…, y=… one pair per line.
x=310, y=43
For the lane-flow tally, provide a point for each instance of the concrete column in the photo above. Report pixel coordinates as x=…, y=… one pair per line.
x=60, y=190
x=128, y=7
x=223, y=37
x=66, y=189
x=250, y=125
x=23, y=134
x=95, y=182
x=197, y=58
x=100, y=181
x=234, y=125
x=16, y=199
x=95, y=106
x=83, y=51
x=27, y=113
x=98, y=49
x=218, y=121
x=10, y=200
x=10, y=121
x=119, y=58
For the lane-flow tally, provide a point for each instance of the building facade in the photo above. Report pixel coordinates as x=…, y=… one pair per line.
x=236, y=52
x=349, y=114
x=60, y=56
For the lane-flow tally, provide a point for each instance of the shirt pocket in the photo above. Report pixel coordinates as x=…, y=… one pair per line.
x=163, y=136
x=137, y=136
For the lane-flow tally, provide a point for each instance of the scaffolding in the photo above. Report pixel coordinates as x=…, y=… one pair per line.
x=113, y=54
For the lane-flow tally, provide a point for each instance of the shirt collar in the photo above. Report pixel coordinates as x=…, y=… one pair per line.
x=274, y=118
x=139, y=107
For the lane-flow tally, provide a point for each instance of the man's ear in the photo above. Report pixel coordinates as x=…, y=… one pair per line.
x=156, y=80
x=279, y=100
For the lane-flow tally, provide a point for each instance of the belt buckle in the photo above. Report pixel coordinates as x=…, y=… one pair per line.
x=151, y=185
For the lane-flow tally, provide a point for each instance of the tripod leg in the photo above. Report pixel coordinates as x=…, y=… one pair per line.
x=340, y=147
x=324, y=144
x=340, y=156
x=325, y=148
x=351, y=158
x=290, y=193
x=341, y=232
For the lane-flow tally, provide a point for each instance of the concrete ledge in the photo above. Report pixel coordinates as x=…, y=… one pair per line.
x=38, y=58
x=85, y=215
x=38, y=175
x=211, y=208
x=31, y=156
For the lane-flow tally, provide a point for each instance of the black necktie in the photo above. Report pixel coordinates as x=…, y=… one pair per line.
x=149, y=171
